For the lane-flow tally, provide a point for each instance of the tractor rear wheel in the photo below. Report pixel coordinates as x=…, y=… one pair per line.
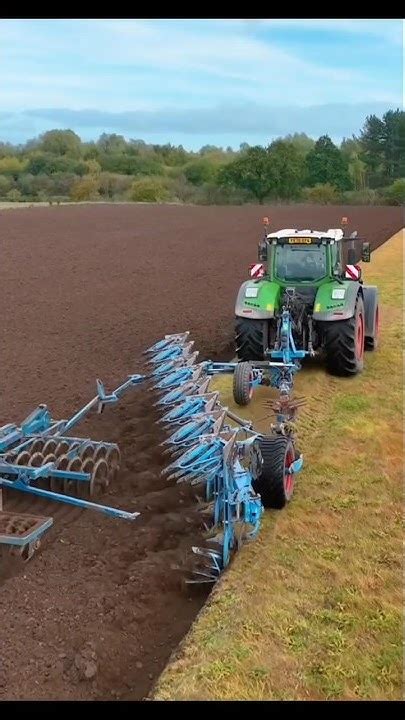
x=274, y=484
x=249, y=339
x=371, y=342
x=344, y=343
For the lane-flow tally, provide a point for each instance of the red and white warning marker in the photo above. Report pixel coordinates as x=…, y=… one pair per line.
x=257, y=270
x=352, y=272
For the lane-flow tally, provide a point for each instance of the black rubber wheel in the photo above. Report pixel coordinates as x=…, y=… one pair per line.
x=344, y=343
x=242, y=383
x=274, y=485
x=249, y=339
x=371, y=342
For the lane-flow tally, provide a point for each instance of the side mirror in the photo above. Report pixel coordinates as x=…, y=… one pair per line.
x=365, y=252
x=262, y=250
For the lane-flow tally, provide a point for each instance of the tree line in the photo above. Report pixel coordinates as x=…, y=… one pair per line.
x=57, y=166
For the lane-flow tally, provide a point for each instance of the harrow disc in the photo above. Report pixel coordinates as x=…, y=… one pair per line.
x=36, y=446
x=99, y=478
x=70, y=486
x=56, y=484
x=87, y=451
x=83, y=488
x=62, y=448
x=49, y=447
x=23, y=458
x=113, y=460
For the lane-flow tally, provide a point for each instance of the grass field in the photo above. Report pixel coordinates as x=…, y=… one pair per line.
x=313, y=608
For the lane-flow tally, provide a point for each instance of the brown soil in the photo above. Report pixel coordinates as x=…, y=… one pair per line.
x=96, y=613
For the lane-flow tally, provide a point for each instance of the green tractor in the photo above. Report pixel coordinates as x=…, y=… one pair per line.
x=315, y=273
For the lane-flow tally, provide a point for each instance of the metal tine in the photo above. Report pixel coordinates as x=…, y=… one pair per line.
x=183, y=391
x=176, y=364
x=199, y=467
x=171, y=353
x=177, y=338
x=193, y=428
x=190, y=407
x=192, y=454
x=198, y=475
x=177, y=377
x=198, y=470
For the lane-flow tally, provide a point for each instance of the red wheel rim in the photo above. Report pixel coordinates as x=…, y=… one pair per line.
x=360, y=337
x=288, y=477
x=250, y=385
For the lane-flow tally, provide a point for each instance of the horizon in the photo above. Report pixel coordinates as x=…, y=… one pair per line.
x=198, y=82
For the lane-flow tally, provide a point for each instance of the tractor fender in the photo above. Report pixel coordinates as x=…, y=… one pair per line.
x=370, y=296
x=261, y=307
x=346, y=311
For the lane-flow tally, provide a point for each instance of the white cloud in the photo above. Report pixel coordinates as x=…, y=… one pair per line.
x=139, y=64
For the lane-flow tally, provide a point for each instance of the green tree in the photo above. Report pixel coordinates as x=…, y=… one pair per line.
x=148, y=190
x=61, y=142
x=288, y=168
x=326, y=165
x=394, y=144
x=252, y=171
x=85, y=189
x=111, y=143
x=198, y=172
x=372, y=140
x=5, y=185
x=395, y=193
x=324, y=194
x=301, y=142
x=13, y=195
x=12, y=166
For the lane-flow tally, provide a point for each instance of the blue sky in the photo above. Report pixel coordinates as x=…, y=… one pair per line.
x=195, y=82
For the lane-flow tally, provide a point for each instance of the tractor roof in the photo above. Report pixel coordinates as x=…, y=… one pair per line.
x=331, y=234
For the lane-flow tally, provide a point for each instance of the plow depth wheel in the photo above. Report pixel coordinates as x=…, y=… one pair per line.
x=242, y=383
x=274, y=484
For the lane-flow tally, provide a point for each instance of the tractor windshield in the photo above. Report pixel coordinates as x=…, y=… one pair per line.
x=300, y=262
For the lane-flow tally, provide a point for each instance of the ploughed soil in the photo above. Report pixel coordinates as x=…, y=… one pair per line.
x=83, y=291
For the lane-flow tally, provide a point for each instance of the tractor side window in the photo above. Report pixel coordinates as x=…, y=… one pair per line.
x=335, y=256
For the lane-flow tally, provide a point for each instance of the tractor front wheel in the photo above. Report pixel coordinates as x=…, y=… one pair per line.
x=344, y=343
x=275, y=484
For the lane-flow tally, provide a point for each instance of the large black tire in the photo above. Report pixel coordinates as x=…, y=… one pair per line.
x=371, y=341
x=344, y=343
x=249, y=339
x=242, y=383
x=273, y=484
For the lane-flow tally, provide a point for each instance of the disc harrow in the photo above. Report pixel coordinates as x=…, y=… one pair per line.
x=208, y=446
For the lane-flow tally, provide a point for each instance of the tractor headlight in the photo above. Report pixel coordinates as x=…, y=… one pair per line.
x=338, y=293
x=251, y=292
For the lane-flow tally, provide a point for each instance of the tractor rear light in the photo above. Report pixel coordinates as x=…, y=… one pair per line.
x=338, y=312
x=247, y=311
